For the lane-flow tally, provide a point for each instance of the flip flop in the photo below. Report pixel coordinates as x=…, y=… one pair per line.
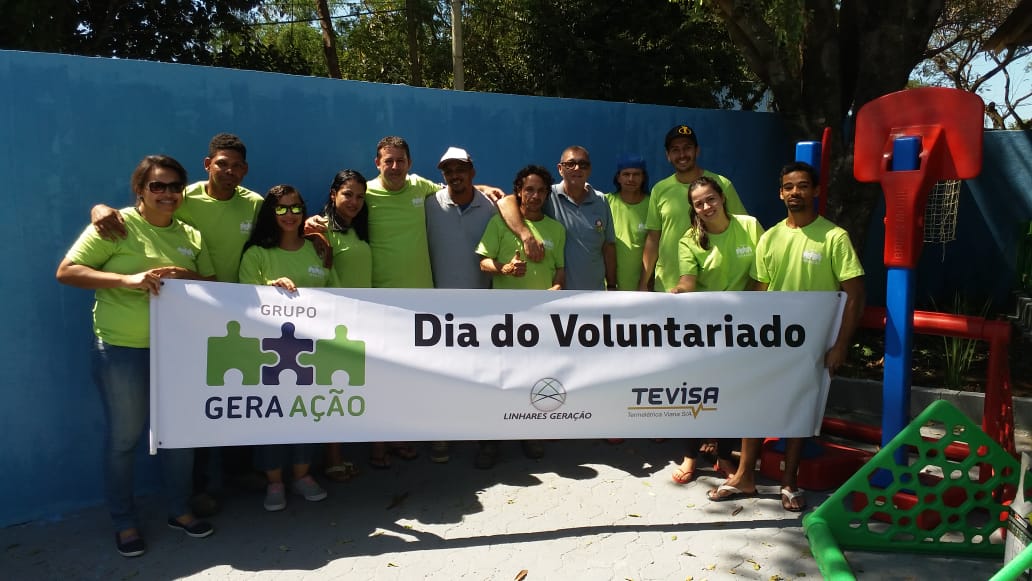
x=726, y=492
x=682, y=476
x=380, y=462
x=790, y=500
x=404, y=451
x=341, y=472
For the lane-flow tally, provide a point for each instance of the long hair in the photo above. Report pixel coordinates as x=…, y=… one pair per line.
x=523, y=174
x=360, y=222
x=697, y=229
x=266, y=232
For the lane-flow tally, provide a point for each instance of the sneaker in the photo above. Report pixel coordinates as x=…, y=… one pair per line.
x=275, y=497
x=486, y=456
x=439, y=452
x=308, y=488
x=533, y=449
x=196, y=528
x=131, y=547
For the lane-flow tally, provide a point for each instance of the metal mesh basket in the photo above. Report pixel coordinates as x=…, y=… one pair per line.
x=941, y=212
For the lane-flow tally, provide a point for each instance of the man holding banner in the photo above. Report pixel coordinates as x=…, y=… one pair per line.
x=804, y=252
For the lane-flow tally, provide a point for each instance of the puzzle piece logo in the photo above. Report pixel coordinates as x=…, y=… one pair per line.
x=265, y=359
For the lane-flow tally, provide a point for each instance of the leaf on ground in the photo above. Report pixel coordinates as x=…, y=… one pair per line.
x=389, y=564
x=521, y=575
x=634, y=515
x=690, y=505
x=397, y=500
x=284, y=548
x=711, y=567
x=689, y=554
x=755, y=565
x=673, y=537
x=776, y=578
x=736, y=511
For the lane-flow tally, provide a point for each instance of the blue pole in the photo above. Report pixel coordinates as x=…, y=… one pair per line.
x=810, y=152
x=899, y=321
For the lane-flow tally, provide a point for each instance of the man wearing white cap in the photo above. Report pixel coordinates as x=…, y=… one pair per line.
x=397, y=221
x=455, y=220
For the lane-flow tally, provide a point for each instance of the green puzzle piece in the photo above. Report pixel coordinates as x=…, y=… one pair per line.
x=235, y=352
x=337, y=354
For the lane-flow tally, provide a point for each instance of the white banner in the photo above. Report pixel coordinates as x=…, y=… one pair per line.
x=238, y=364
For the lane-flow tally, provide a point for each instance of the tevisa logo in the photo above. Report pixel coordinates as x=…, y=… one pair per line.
x=673, y=401
x=317, y=271
x=548, y=244
x=417, y=202
x=261, y=361
x=744, y=251
x=245, y=227
x=187, y=252
x=641, y=226
x=812, y=256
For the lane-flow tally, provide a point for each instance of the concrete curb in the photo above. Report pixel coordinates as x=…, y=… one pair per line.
x=865, y=396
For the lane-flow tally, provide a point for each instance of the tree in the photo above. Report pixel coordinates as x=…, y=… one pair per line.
x=825, y=59
x=956, y=48
x=162, y=30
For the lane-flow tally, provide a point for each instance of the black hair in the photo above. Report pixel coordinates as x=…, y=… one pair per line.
x=521, y=176
x=266, y=232
x=800, y=166
x=227, y=141
x=361, y=220
x=138, y=181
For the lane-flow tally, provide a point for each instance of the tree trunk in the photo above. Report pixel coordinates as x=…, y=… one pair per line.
x=329, y=39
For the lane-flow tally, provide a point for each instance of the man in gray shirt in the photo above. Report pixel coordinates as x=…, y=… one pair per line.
x=456, y=217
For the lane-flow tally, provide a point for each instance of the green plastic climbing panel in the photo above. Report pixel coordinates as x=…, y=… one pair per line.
x=947, y=499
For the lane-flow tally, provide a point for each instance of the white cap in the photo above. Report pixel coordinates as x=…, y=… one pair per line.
x=456, y=153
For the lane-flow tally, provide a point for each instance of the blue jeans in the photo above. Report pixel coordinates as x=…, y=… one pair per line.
x=122, y=375
x=274, y=456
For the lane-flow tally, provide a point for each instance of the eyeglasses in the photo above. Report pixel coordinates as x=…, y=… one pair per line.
x=293, y=208
x=575, y=163
x=161, y=187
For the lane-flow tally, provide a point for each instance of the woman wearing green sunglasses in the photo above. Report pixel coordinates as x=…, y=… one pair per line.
x=277, y=254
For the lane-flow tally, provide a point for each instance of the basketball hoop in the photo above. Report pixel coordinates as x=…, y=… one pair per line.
x=941, y=212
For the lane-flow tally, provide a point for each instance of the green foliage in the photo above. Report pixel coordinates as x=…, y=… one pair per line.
x=162, y=30
x=959, y=353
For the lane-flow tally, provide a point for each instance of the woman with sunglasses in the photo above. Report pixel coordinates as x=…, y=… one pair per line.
x=277, y=254
x=125, y=273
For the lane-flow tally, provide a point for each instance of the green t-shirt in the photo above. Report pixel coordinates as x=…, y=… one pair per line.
x=669, y=214
x=303, y=266
x=629, y=223
x=726, y=264
x=397, y=234
x=816, y=257
x=501, y=244
x=225, y=224
x=121, y=316
x=352, y=260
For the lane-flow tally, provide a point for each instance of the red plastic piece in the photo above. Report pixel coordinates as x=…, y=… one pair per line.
x=830, y=469
x=949, y=122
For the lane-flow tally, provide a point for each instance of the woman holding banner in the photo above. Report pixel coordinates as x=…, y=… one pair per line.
x=277, y=254
x=125, y=273
x=347, y=231
x=715, y=254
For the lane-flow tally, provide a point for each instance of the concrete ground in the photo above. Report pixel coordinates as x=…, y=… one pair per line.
x=588, y=510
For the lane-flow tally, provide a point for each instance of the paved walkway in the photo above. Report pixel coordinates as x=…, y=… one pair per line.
x=587, y=511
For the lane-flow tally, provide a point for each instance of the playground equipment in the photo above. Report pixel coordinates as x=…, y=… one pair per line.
x=921, y=493
x=908, y=141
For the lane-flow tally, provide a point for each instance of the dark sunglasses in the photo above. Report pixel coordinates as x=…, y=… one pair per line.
x=575, y=163
x=162, y=187
x=293, y=208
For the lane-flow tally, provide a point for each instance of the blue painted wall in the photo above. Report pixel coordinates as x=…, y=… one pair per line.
x=72, y=129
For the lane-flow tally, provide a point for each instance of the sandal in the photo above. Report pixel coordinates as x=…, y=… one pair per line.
x=726, y=492
x=342, y=472
x=404, y=451
x=682, y=476
x=793, y=500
